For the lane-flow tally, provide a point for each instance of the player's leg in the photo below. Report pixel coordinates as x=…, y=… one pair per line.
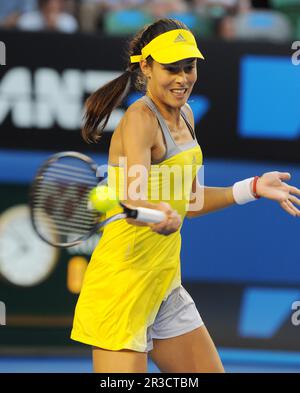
x=123, y=361
x=190, y=352
x=180, y=341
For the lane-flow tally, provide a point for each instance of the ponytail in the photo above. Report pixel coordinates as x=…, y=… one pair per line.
x=99, y=106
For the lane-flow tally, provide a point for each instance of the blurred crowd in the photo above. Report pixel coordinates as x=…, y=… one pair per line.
x=277, y=20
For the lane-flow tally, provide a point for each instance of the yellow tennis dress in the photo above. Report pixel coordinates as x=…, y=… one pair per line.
x=132, y=269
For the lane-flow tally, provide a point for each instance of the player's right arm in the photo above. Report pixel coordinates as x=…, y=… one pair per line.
x=138, y=133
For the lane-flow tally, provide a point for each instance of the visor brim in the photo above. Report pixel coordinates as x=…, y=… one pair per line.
x=171, y=55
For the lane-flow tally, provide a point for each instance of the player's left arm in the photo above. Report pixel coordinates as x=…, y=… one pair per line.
x=205, y=200
x=270, y=185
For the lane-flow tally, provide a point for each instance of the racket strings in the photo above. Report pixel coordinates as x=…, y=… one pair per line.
x=65, y=175
x=60, y=203
x=45, y=200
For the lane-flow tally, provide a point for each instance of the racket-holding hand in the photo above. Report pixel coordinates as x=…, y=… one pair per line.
x=271, y=185
x=170, y=224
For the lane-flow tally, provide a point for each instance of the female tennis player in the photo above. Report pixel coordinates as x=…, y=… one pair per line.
x=132, y=302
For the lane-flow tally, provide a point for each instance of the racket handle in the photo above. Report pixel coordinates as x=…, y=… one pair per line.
x=149, y=215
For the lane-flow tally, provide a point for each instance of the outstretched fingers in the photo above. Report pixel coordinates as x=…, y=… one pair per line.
x=288, y=208
x=293, y=207
x=294, y=199
x=291, y=189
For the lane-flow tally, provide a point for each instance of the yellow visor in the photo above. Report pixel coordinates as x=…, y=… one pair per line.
x=170, y=47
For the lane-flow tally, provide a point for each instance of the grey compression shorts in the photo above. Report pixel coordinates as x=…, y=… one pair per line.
x=177, y=315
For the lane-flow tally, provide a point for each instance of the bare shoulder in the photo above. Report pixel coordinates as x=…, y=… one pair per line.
x=139, y=122
x=189, y=114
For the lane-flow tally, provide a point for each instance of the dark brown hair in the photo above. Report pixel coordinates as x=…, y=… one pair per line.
x=99, y=105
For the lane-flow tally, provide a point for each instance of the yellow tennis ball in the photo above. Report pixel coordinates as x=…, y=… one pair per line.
x=103, y=198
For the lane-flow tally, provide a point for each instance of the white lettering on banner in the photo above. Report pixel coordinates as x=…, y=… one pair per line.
x=15, y=97
x=2, y=313
x=46, y=98
x=2, y=53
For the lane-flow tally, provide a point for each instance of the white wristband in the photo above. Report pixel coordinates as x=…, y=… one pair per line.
x=242, y=192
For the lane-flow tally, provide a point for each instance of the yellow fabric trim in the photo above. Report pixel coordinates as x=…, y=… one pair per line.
x=135, y=59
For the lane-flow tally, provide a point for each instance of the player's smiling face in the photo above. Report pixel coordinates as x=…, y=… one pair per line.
x=172, y=83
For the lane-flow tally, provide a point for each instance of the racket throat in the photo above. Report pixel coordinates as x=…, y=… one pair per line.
x=130, y=213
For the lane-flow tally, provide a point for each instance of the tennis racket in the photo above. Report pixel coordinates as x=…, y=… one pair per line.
x=59, y=201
